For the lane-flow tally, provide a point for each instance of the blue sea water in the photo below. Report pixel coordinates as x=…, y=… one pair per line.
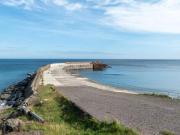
x=14, y=70
x=160, y=76
x=155, y=76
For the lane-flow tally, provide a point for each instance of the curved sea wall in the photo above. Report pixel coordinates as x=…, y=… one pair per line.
x=36, y=82
x=24, y=92
x=60, y=74
x=98, y=100
x=78, y=65
x=105, y=102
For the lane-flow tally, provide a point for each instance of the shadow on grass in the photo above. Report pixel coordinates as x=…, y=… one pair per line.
x=64, y=117
x=166, y=133
x=75, y=116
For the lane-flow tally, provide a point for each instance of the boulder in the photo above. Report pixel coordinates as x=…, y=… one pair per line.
x=4, y=96
x=14, y=124
x=10, y=103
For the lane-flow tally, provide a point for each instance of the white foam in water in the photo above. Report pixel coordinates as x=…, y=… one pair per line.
x=2, y=105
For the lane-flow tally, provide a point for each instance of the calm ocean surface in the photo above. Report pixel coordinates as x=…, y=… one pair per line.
x=161, y=76
x=12, y=71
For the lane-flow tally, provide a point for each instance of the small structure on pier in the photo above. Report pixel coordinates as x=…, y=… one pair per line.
x=97, y=65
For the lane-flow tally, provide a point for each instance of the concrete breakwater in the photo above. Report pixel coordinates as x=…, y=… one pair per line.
x=150, y=115
x=24, y=91
x=78, y=65
x=60, y=74
x=22, y=95
x=85, y=65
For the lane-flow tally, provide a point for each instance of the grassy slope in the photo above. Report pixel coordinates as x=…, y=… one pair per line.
x=64, y=118
x=157, y=95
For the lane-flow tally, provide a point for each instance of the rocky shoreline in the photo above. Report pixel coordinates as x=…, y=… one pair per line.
x=21, y=95
x=15, y=94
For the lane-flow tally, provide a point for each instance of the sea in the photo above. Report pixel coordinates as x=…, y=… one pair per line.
x=142, y=76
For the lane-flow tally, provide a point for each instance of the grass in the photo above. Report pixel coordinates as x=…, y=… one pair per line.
x=5, y=113
x=65, y=118
x=166, y=133
x=157, y=95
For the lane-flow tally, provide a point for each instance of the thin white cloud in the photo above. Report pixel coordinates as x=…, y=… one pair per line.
x=29, y=4
x=67, y=5
x=26, y=4
x=162, y=16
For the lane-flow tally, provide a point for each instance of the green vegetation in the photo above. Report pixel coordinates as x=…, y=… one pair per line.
x=157, y=95
x=65, y=118
x=5, y=113
x=166, y=133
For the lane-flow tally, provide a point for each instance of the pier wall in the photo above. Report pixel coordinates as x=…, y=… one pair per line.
x=38, y=78
x=78, y=65
x=31, y=90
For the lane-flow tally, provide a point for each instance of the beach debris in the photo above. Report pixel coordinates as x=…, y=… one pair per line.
x=36, y=117
x=33, y=115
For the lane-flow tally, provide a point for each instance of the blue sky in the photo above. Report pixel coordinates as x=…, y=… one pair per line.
x=120, y=29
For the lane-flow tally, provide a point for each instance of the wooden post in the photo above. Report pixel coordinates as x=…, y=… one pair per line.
x=35, y=116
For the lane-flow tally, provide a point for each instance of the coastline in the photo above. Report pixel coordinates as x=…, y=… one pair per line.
x=143, y=112
x=63, y=72
x=104, y=102
x=66, y=70
x=16, y=94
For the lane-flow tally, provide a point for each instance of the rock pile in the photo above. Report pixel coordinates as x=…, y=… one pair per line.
x=19, y=96
x=14, y=95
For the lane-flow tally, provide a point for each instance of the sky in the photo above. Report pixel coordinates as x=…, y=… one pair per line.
x=90, y=29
